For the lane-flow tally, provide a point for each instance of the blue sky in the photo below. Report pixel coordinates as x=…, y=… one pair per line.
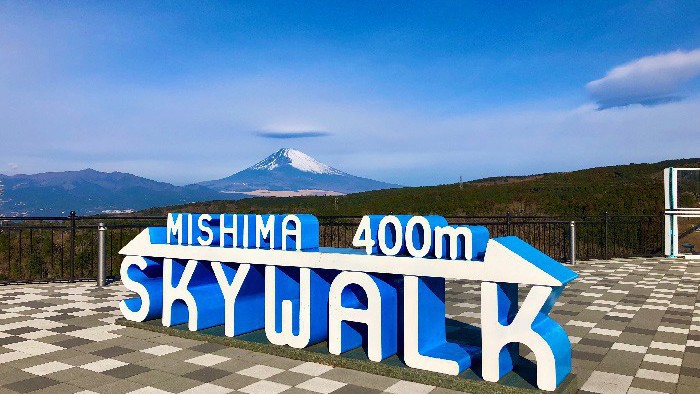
x=415, y=93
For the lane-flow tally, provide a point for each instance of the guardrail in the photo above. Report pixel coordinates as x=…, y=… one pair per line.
x=68, y=248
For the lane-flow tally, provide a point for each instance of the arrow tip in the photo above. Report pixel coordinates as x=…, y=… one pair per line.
x=513, y=248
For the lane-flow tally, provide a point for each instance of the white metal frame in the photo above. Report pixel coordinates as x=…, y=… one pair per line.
x=673, y=212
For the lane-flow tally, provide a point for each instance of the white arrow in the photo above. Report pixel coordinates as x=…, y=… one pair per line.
x=500, y=264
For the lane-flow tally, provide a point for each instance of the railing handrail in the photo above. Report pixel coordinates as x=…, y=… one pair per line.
x=563, y=218
x=63, y=247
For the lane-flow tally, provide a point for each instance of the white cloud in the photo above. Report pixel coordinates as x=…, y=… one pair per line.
x=648, y=80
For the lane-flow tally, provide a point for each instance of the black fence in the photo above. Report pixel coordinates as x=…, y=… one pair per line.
x=45, y=249
x=597, y=237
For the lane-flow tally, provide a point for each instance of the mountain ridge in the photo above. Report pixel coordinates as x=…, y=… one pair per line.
x=292, y=170
x=92, y=192
x=630, y=189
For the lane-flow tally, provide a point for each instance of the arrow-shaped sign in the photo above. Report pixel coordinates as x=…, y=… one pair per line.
x=507, y=260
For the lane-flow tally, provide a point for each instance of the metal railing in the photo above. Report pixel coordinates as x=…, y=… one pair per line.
x=595, y=237
x=64, y=249
x=47, y=249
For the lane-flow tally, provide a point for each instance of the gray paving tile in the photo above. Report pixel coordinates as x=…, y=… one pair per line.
x=289, y=378
x=175, y=384
x=206, y=374
x=31, y=384
x=127, y=371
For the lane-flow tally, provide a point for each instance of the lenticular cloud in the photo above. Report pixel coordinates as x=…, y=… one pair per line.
x=649, y=80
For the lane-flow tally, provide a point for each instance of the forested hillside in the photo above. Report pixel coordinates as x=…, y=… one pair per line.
x=623, y=189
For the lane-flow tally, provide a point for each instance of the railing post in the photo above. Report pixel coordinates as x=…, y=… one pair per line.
x=72, y=246
x=508, y=226
x=572, y=242
x=101, y=255
x=607, y=221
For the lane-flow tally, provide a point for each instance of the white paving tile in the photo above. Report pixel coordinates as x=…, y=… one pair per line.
x=37, y=334
x=44, y=324
x=97, y=334
x=605, y=382
x=207, y=388
x=579, y=323
x=474, y=315
x=264, y=387
x=605, y=331
x=674, y=330
x=653, y=358
x=654, y=307
x=207, y=360
x=681, y=306
x=667, y=346
x=588, y=294
x=18, y=309
x=103, y=365
x=403, y=387
x=12, y=356
x=629, y=348
x=321, y=385
x=149, y=390
x=161, y=350
x=627, y=308
x=260, y=371
x=33, y=347
x=621, y=314
x=312, y=369
x=657, y=375
x=45, y=369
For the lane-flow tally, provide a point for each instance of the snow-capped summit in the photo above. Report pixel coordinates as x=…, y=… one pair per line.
x=290, y=170
x=297, y=159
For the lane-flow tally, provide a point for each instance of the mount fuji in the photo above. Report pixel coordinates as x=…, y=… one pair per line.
x=289, y=172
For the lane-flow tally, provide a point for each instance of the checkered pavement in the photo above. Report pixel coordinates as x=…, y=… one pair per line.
x=634, y=323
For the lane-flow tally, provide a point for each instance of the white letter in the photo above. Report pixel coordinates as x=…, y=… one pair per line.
x=179, y=292
x=246, y=243
x=286, y=336
x=174, y=228
x=427, y=239
x=233, y=230
x=398, y=239
x=230, y=292
x=264, y=231
x=494, y=335
x=363, y=236
x=453, y=234
x=296, y=231
x=372, y=316
x=205, y=229
x=134, y=286
x=190, y=241
x=411, y=352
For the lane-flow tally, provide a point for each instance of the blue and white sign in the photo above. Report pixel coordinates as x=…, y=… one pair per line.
x=253, y=272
